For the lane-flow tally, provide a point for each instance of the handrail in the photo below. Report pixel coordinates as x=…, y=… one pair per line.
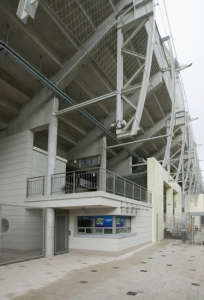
x=35, y=177
x=89, y=179
x=98, y=168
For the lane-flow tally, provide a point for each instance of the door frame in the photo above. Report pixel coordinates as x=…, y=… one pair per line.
x=64, y=213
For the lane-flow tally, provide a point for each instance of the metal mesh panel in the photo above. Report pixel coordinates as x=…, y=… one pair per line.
x=21, y=233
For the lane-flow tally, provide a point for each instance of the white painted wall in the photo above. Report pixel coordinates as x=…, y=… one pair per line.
x=157, y=177
x=199, y=206
x=141, y=224
x=16, y=166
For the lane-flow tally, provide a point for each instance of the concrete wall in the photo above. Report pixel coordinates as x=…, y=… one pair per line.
x=157, y=178
x=16, y=166
x=39, y=167
x=141, y=224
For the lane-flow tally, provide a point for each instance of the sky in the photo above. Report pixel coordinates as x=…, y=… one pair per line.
x=187, y=26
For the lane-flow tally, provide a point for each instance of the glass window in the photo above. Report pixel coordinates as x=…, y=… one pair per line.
x=108, y=231
x=103, y=224
x=99, y=230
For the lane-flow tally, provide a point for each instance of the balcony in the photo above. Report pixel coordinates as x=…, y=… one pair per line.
x=87, y=180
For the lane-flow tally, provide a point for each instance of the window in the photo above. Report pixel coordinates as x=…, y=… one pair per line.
x=85, y=225
x=103, y=224
x=123, y=224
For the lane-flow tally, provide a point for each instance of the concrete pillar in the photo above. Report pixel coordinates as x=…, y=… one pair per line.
x=169, y=201
x=178, y=205
x=52, y=147
x=0, y=224
x=49, y=232
x=103, y=164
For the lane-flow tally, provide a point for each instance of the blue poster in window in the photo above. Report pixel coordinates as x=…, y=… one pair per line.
x=103, y=221
x=119, y=221
x=85, y=218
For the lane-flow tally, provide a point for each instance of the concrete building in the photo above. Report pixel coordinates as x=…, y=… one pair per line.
x=96, y=141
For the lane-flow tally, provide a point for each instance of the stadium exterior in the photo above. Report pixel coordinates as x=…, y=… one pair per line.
x=96, y=140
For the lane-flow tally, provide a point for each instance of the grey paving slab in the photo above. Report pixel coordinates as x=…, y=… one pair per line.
x=71, y=276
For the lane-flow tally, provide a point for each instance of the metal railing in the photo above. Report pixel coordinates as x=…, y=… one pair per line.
x=121, y=186
x=98, y=179
x=36, y=186
x=75, y=182
x=88, y=180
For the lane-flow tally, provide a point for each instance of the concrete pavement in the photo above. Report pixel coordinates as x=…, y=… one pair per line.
x=166, y=270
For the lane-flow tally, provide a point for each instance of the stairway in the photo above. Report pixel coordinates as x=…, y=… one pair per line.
x=173, y=226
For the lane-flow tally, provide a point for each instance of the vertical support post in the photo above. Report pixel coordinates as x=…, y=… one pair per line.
x=192, y=228
x=119, y=101
x=52, y=147
x=43, y=240
x=27, y=188
x=74, y=181
x=0, y=225
x=103, y=164
x=169, y=201
x=124, y=188
x=114, y=184
x=140, y=194
x=49, y=232
x=43, y=191
x=157, y=227
x=133, y=191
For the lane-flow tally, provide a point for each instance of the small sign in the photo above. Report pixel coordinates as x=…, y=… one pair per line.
x=86, y=218
x=103, y=221
x=119, y=221
x=88, y=162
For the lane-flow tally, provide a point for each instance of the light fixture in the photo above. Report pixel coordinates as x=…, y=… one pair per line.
x=83, y=210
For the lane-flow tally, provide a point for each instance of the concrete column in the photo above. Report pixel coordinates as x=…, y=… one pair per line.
x=169, y=201
x=103, y=164
x=0, y=224
x=178, y=205
x=52, y=147
x=49, y=232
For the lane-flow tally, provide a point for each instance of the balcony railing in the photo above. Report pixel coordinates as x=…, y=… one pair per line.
x=88, y=180
x=36, y=186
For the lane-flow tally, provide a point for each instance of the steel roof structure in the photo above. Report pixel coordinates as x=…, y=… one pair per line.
x=112, y=72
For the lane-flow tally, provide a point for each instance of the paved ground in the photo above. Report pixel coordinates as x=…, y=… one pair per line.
x=165, y=270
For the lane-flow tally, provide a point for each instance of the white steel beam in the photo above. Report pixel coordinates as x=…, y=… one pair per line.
x=131, y=88
x=146, y=75
x=134, y=76
x=142, y=24
x=138, y=141
x=84, y=104
x=172, y=121
x=119, y=101
x=133, y=53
